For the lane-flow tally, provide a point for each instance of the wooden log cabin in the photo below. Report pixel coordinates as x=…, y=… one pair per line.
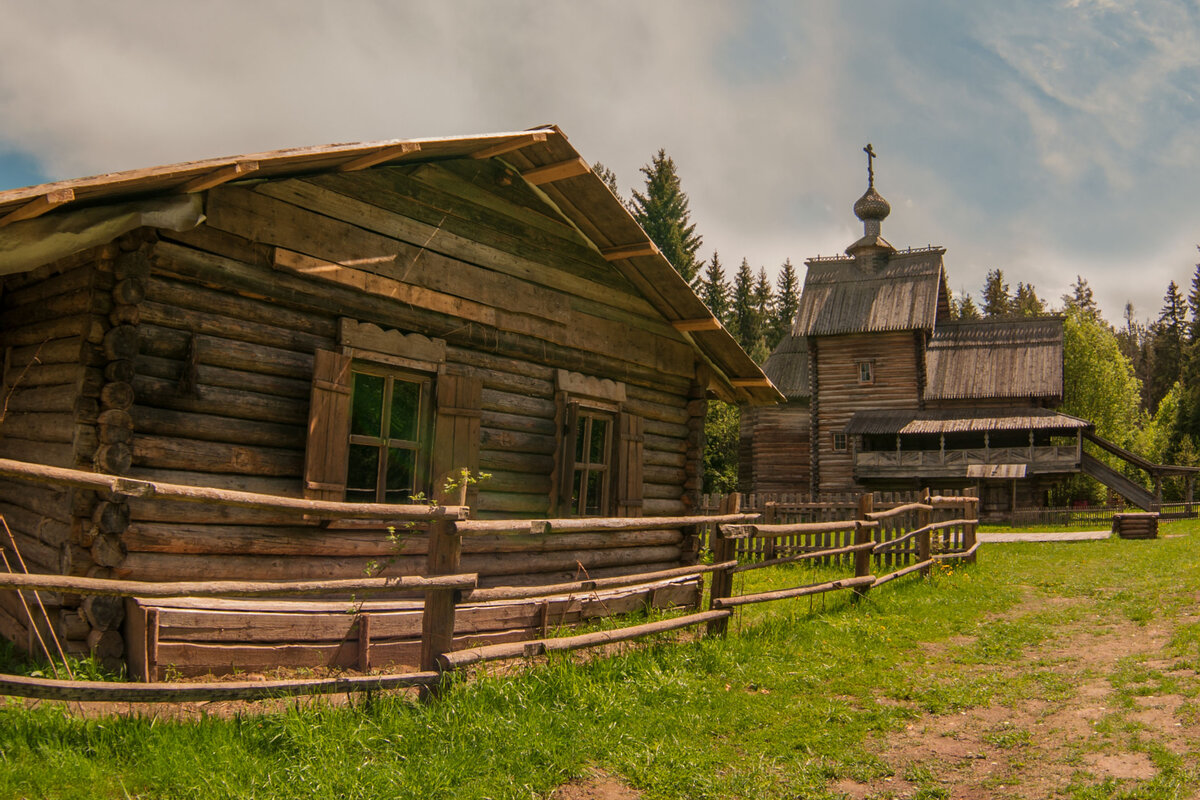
x=884, y=391
x=347, y=322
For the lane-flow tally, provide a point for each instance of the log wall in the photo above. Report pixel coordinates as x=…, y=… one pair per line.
x=773, y=448
x=234, y=310
x=839, y=394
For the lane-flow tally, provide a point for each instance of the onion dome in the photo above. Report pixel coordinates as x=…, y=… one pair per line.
x=872, y=206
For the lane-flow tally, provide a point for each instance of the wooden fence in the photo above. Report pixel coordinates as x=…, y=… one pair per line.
x=450, y=595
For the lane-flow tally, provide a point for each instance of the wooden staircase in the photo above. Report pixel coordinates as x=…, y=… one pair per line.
x=1090, y=465
x=1130, y=490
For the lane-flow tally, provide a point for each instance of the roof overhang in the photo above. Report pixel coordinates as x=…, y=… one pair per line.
x=541, y=156
x=962, y=421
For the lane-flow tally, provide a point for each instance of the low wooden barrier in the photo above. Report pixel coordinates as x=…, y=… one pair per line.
x=452, y=598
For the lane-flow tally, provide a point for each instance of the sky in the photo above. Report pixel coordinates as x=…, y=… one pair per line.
x=1045, y=138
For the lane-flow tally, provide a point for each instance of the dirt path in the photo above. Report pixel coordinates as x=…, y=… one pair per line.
x=1117, y=706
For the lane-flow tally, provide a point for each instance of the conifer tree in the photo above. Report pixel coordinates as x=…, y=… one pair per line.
x=1194, y=305
x=741, y=308
x=1169, y=339
x=1081, y=298
x=996, y=300
x=663, y=212
x=967, y=310
x=764, y=312
x=787, y=301
x=1026, y=303
x=714, y=289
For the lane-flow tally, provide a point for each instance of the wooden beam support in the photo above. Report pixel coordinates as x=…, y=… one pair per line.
x=38, y=206
x=219, y=176
x=558, y=171
x=510, y=145
x=701, y=324
x=750, y=383
x=379, y=156
x=629, y=251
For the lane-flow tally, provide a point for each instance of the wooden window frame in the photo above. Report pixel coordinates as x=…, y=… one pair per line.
x=580, y=398
x=421, y=446
x=577, y=493
x=845, y=442
x=869, y=365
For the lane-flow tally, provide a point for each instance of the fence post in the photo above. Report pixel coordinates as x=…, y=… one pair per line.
x=769, y=519
x=862, y=558
x=722, y=550
x=924, y=517
x=437, y=619
x=971, y=508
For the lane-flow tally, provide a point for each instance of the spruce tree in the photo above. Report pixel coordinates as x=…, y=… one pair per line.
x=1081, y=298
x=996, y=300
x=1026, y=303
x=741, y=310
x=663, y=212
x=1194, y=306
x=610, y=180
x=787, y=301
x=1169, y=336
x=764, y=312
x=714, y=289
x=967, y=310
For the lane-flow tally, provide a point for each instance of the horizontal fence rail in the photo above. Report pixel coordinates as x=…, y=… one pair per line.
x=880, y=545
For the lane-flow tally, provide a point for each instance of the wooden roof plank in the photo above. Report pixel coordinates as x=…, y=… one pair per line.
x=510, y=146
x=380, y=156
x=219, y=176
x=557, y=171
x=646, y=248
x=38, y=206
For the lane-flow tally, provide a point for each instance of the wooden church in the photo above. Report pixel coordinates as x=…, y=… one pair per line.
x=884, y=391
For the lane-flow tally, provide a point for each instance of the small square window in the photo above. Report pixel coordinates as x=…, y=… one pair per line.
x=839, y=443
x=866, y=371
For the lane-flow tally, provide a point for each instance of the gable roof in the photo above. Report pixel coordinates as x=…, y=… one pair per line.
x=899, y=292
x=542, y=156
x=787, y=367
x=996, y=358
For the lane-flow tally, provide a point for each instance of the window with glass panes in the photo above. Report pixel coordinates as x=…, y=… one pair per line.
x=593, y=464
x=389, y=433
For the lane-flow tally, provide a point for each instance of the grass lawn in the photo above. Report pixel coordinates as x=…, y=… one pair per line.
x=1046, y=670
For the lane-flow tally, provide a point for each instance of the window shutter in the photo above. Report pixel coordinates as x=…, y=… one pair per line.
x=566, y=459
x=456, y=433
x=327, y=448
x=628, y=479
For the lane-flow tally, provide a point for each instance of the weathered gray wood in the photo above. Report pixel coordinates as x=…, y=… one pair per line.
x=799, y=591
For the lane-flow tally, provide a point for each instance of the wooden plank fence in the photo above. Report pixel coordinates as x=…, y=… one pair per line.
x=869, y=543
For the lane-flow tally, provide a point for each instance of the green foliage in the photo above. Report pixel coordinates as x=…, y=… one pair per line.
x=1081, y=298
x=965, y=309
x=787, y=301
x=714, y=289
x=996, y=300
x=743, y=318
x=722, y=423
x=1169, y=343
x=1026, y=303
x=1099, y=386
x=663, y=212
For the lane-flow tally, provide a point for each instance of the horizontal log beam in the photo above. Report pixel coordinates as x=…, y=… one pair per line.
x=750, y=383
x=38, y=206
x=956, y=555
x=592, y=524
x=219, y=176
x=900, y=573
x=324, y=509
x=495, y=652
x=699, y=324
x=558, y=171
x=596, y=584
x=69, y=584
x=799, y=591
x=898, y=510
x=836, y=551
x=774, y=531
x=48, y=689
x=379, y=157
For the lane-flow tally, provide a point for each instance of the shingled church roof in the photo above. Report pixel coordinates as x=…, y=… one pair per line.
x=996, y=358
x=787, y=367
x=849, y=295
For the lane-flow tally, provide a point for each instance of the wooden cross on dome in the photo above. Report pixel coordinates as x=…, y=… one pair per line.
x=870, y=151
